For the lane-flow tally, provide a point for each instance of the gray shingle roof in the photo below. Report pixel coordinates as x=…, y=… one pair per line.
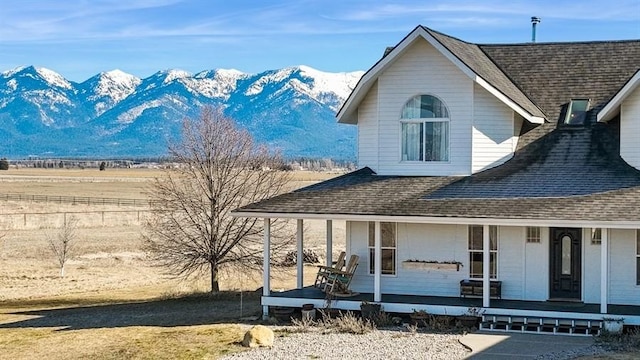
x=551, y=74
x=365, y=193
x=569, y=161
x=473, y=56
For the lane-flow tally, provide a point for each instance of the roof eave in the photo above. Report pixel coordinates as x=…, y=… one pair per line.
x=612, y=108
x=505, y=100
x=443, y=220
x=348, y=112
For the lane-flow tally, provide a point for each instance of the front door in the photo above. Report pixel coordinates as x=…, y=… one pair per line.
x=566, y=263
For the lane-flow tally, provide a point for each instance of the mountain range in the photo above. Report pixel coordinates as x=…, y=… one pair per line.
x=115, y=114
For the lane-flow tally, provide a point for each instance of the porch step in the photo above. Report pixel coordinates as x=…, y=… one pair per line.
x=542, y=325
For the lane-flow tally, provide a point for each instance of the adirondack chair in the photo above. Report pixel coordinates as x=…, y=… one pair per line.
x=323, y=271
x=338, y=280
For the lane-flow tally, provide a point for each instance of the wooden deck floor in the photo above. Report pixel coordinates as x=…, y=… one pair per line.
x=555, y=306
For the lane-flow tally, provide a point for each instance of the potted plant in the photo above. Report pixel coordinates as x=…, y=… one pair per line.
x=613, y=325
x=471, y=317
x=369, y=310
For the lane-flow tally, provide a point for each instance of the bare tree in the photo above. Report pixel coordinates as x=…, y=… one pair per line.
x=219, y=168
x=61, y=244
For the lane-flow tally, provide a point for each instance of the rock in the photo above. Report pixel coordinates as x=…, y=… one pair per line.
x=258, y=335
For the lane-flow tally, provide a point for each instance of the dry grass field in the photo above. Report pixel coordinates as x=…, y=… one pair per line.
x=113, y=303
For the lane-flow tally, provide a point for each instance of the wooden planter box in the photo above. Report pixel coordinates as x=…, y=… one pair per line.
x=420, y=265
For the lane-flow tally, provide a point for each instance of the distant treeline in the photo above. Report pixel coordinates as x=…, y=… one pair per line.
x=302, y=163
x=320, y=164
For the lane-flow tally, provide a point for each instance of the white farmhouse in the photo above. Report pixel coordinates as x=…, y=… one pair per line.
x=518, y=163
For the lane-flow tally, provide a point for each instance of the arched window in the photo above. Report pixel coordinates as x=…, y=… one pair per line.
x=425, y=129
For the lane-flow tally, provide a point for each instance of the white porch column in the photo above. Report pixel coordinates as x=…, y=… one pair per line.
x=300, y=254
x=266, y=264
x=329, y=242
x=486, y=268
x=377, y=271
x=604, y=271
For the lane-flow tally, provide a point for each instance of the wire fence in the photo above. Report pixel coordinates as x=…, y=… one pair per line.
x=85, y=219
x=74, y=200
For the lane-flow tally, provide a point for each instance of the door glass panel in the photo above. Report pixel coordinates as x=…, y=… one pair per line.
x=566, y=255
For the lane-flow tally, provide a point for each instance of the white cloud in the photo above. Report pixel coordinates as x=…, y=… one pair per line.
x=563, y=9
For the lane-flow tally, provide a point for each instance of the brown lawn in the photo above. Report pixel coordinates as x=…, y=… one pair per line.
x=112, y=303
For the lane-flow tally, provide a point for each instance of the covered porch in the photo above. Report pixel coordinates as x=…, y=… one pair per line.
x=440, y=305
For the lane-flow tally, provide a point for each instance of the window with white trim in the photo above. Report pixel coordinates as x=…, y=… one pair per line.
x=388, y=247
x=476, y=244
x=596, y=236
x=424, y=127
x=533, y=234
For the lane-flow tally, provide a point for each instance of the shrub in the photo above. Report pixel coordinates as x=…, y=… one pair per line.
x=347, y=322
x=4, y=164
x=627, y=341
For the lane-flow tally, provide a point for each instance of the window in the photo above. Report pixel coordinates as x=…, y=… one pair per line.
x=425, y=129
x=596, y=236
x=388, y=248
x=637, y=257
x=577, y=112
x=533, y=234
x=476, y=234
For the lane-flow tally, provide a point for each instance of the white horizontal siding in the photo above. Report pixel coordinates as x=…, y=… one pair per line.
x=493, y=130
x=630, y=129
x=423, y=70
x=417, y=242
x=432, y=242
x=368, y=130
x=523, y=267
x=622, y=278
x=591, y=269
x=536, y=267
x=510, y=264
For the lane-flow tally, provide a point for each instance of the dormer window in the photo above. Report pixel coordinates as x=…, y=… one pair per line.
x=425, y=129
x=577, y=112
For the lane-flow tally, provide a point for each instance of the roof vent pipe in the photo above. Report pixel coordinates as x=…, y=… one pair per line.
x=534, y=21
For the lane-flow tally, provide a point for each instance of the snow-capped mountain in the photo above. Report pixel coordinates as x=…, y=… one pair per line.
x=117, y=114
x=106, y=89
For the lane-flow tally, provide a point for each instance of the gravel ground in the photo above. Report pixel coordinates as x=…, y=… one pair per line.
x=585, y=353
x=378, y=344
x=396, y=343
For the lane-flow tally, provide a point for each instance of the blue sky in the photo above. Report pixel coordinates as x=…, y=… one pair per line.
x=79, y=38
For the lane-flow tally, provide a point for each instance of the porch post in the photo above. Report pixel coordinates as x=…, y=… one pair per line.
x=266, y=266
x=604, y=271
x=329, y=242
x=300, y=255
x=486, y=269
x=377, y=253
